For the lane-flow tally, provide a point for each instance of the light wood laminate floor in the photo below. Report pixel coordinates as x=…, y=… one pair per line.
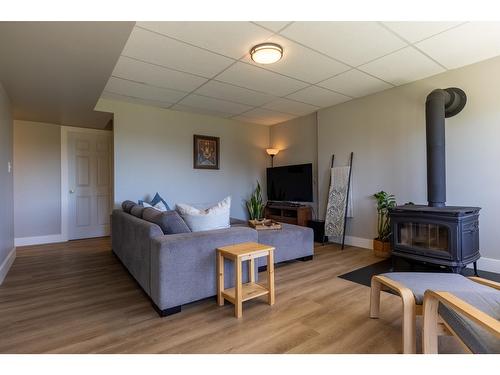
x=76, y=297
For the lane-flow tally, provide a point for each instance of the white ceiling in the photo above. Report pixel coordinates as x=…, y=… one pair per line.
x=204, y=67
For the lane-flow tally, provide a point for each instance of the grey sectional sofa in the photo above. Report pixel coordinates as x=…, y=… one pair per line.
x=176, y=269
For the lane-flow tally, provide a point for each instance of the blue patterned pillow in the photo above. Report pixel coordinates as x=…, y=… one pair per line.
x=156, y=199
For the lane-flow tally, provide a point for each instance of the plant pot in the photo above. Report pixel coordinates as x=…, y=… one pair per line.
x=381, y=249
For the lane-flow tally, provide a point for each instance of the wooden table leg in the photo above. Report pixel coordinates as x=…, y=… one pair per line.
x=220, y=278
x=251, y=270
x=238, y=305
x=270, y=277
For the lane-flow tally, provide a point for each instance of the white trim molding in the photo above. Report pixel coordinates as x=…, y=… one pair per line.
x=364, y=243
x=6, y=264
x=64, y=183
x=39, y=240
x=487, y=264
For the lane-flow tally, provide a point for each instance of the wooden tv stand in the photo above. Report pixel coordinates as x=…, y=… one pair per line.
x=298, y=215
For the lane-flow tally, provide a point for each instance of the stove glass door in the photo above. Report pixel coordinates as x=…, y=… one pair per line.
x=434, y=237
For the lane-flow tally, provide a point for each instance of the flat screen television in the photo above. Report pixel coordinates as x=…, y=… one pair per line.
x=291, y=183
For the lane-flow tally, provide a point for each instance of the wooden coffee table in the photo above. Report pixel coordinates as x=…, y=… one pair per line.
x=246, y=251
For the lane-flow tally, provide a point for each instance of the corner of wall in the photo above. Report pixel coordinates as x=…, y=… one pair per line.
x=6, y=264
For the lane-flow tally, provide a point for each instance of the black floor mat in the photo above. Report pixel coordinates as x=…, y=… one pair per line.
x=363, y=275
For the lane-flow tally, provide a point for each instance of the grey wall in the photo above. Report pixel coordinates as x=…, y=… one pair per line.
x=386, y=131
x=154, y=152
x=297, y=141
x=37, y=179
x=6, y=178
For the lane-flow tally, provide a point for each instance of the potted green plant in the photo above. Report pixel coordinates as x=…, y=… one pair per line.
x=381, y=244
x=255, y=205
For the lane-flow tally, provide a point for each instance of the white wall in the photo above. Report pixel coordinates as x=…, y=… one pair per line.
x=154, y=152
x=386, y=131
x=7, y=251
x=37, y=179
x=297, y=141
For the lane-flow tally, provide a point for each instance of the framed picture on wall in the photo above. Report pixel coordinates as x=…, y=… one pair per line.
x=205, y=152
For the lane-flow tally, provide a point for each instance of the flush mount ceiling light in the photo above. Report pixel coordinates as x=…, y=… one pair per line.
x=266, y=53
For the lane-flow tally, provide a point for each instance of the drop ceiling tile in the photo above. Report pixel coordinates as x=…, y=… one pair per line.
x=290, y=106
x=273, y=25
x=202, y=111
x=302, y=63
x=355, y=83
x=255, y=78
x=264, y=117
x=142, y=91
x=416, y=31
x=205, y=102
x=130, y=99
x=465, y=44
x=404, y=66
x=158, y=49
x=354, y=43
x=233, y=39
x=237, y=94
x=155, y=75
x=319, y=97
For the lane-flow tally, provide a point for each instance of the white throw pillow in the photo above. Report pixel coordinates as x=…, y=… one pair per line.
x=160, y=206
x=215, y=217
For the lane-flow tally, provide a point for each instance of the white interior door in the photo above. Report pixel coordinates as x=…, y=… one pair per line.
x=90, y=184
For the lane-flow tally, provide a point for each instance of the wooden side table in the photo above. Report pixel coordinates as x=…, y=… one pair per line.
x=243, y=292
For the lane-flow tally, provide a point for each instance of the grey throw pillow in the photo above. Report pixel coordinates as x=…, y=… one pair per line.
x=137, y=211
x=170, y=222
x=127, y=206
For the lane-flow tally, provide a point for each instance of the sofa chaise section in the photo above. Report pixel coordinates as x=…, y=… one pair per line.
x=173, y=269
x=183, y=266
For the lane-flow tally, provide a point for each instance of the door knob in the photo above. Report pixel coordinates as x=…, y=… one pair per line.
x=71, y=191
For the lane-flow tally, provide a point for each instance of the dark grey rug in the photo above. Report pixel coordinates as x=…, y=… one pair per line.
x=364, y=275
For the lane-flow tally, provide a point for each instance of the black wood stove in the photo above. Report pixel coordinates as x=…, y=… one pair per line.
x=436, y=233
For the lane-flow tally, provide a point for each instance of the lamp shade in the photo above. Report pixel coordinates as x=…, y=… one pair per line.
x=272, y=151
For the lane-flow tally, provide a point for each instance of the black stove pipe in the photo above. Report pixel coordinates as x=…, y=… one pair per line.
x=439, y=105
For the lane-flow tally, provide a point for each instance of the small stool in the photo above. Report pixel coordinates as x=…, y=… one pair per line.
x=411, y=286
x=243, y=292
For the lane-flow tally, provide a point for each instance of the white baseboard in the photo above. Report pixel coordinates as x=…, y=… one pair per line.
x=488, y=264
x=39, y=240
x=6, y=264
x=364, y=243
x=483, y=264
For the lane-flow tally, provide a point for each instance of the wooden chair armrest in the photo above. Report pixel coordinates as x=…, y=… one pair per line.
x=490, y=283
x=399, y=288
x=489, y=323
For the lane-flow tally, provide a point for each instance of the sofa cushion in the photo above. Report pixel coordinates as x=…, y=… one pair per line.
x=215, y=217
x=170, y=222
x=290, y=242
x=419, y=282
x=237, y=222
x=127, y=206
x=137, y=211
